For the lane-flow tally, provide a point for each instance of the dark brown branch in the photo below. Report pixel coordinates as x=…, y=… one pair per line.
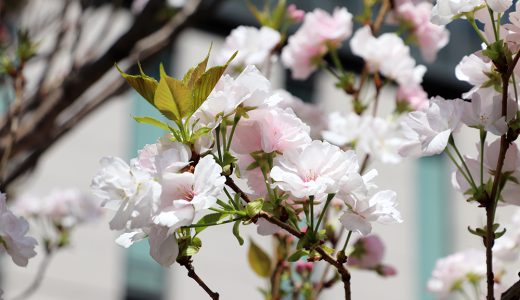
x=512, y=293
x=192, y=274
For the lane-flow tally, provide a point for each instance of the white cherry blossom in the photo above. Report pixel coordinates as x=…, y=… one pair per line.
x=314, y=170
x=429, y=129
x=255, y=47
x=445, y=10
x=13, y=239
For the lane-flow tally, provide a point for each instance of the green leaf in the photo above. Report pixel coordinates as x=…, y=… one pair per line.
x=259, y=261
x=253, y=208
x=207, y=81
x=194, y=74
x=143, y=84
x=163, y=101
x=278, y=15
x=200, y=132
x=181, y=94
x=208, y=219
x=297, y=255
x=153, y=122
x=236, y=232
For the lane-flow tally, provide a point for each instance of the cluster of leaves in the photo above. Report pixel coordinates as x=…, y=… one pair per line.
x=178, y=99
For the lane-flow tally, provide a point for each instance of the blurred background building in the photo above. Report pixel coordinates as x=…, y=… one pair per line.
x=96, y=268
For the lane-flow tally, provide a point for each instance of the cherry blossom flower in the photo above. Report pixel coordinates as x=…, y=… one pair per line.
x=314, y=170
x=380, y=138
x=395, y=62
x=413, y=96
x=430, y=37
x=474, y=70
x=13, y=239
x=270, y=130
x=511, y=189
x=485, y=112
x=513, y=29
x=445, y=11
x=429, y=129
x=318, y=31
x=251, y=87
x=368, y=254
x=360, y=212
x=163, y=156
x=295, y=14
x=453, y=272
x=189, y=191
x=499, y=6
x=255, y=47
x=310, y=113
x=131, y=192
x=507, y=247
x=62, y=207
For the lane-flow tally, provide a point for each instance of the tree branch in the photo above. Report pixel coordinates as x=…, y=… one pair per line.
x=192, y=274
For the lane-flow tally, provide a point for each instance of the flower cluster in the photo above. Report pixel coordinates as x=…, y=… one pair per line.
x=13, y=239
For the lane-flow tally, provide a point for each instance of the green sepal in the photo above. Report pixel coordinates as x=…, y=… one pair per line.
x=253, y=208
x=236, y=232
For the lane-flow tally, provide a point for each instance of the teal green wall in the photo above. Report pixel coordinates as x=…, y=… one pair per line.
x=433, y=217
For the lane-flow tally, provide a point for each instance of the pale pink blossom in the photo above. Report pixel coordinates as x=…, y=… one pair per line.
x=413, y=95
x=430, y=37
x=513, y=29
x=499, y=6
x=452, y=272
x=309, y=44
x=62, y=207
x=310, y=113
x=255, y=47
x=361, y=212
x=510, y=190
x=395, y=62
x=314, y=170
x=429, y=130
x=302, y=55
x=296, y=15
x=445, y=11
x=131, y=192
x=343, y=128
x=163, y=156
x=185, y=192
x=368, y=252
x=485, y=112
x=474, y=70
x=270, y=130
x=13, y=239
x=326, y=28
x=250, y=87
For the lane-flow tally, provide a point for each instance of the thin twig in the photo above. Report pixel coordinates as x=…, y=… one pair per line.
x=40, y=275
x=192, y=274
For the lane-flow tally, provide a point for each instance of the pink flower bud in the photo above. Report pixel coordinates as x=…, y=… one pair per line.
x=296, y=15
x=304, y=266
x=368, y=253
x=386, y=270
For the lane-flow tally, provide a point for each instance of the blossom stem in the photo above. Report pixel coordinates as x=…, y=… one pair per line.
x=335, y=58
x=311, y=203
x=324, y=211
x=452, y=143
x=217, y=131
x=346, y=241
x=483, y=135
x=495, y=30
x=459, y=167
x=235, y=122
x=40, y=275
x=471, y=20
x=192, y=274
x=214, y=224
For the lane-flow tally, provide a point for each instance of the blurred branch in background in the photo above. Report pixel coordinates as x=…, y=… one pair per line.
x=72, y=72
